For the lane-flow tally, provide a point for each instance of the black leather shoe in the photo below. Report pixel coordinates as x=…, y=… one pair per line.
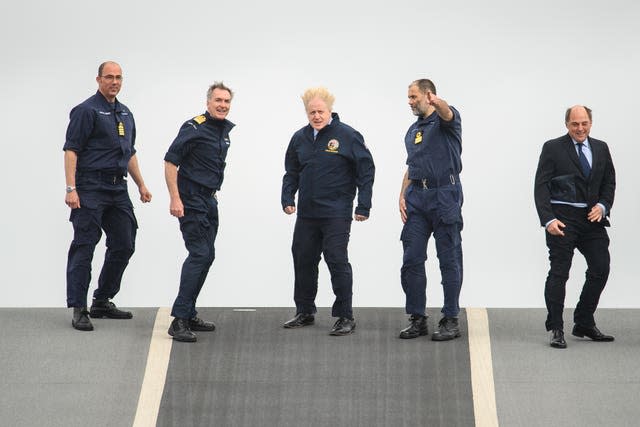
x=343, y=326
x=301, y=319
x=180, y=331
x=416, y=328
x=447, y=329
x=197, y=324
x=80, y=320
x=592, y=332
x=557, y=339
x=105, y=308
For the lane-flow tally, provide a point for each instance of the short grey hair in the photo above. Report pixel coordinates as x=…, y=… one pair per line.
x=218, y=85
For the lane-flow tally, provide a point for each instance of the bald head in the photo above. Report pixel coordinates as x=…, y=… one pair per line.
x=101, y=66
x=577, y=119
x=567, y=114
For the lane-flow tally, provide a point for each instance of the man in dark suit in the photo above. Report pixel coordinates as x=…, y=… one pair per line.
x=574, y=190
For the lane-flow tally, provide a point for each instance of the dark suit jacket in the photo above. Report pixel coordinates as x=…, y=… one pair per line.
x=559, y=177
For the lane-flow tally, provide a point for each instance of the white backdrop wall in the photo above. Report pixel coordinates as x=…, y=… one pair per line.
x=511, y=68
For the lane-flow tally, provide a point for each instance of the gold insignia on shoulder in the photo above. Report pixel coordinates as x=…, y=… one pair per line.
x=332, y=146
x=200, y=119
x=418, y=139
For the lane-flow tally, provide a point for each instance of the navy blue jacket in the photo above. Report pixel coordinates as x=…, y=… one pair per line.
x=434, y=147
x=327, y=171
x=103, y=135
x=200, y=150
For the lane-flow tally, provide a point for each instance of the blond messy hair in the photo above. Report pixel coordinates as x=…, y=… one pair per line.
x=318, y=92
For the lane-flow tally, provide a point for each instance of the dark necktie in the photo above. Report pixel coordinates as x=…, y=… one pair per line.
x=584, y=163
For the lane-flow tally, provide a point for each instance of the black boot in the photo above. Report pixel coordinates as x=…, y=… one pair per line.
x=416, y=328
x=105, y=308
x=80, y=320
x=343, y=326
x=447, y=329
x=197, y=324
x=180, y=330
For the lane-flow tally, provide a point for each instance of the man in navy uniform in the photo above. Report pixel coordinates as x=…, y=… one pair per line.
x=574, y=189
x=98, y=153
x=194, y=170
x=431, y=203
x=325, y=162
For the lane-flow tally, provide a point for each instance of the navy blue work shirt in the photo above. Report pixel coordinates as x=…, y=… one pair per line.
x=326, y=172
x=200, y=150
x=434, y=147
x=102, y=134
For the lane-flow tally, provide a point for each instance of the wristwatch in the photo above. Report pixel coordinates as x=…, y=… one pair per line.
x=70, y=189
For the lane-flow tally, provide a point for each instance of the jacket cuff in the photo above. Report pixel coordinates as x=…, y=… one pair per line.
x=604, y=207
x=362, y=211
x=286, y=203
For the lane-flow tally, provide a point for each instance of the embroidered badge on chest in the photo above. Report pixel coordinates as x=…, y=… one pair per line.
x=418, y=139
x=121, y=129
x=332, y=146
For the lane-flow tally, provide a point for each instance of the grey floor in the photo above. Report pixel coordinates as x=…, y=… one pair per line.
x=53, y=375
x=252, y=372
x=587, y=384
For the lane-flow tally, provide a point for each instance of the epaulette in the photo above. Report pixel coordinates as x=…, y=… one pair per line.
x=200, y=119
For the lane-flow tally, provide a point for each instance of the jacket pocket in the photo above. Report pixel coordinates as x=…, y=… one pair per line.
x=563, y=188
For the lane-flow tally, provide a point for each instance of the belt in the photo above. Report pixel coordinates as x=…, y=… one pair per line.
x=205, y=191
x=427, y=184
x=192, y=187
x=104, y=176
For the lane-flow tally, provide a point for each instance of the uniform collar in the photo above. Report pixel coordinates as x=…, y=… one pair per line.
x=110, y=106
x=430, y=117
x=216, y=122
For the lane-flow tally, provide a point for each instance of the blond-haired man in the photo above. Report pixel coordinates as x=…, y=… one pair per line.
x=325, y=163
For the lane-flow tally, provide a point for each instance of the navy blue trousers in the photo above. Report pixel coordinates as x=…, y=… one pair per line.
x=329, y=237
x=112, y=212
x=199, y=227
x=434, y=211
x=592, y=240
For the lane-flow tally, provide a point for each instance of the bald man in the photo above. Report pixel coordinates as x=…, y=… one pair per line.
x=574, y=190
x=99, y=154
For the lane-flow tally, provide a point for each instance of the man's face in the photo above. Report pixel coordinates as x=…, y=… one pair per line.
x=110, y=82
x=579, y=124
x=418, y=101
x=219, y=103
x=318, y=113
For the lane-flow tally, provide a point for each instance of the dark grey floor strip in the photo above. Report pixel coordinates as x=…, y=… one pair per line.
x=253, y=372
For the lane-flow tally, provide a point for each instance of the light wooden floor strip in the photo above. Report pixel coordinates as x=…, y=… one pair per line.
x=156, y=371
x=484, y=394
